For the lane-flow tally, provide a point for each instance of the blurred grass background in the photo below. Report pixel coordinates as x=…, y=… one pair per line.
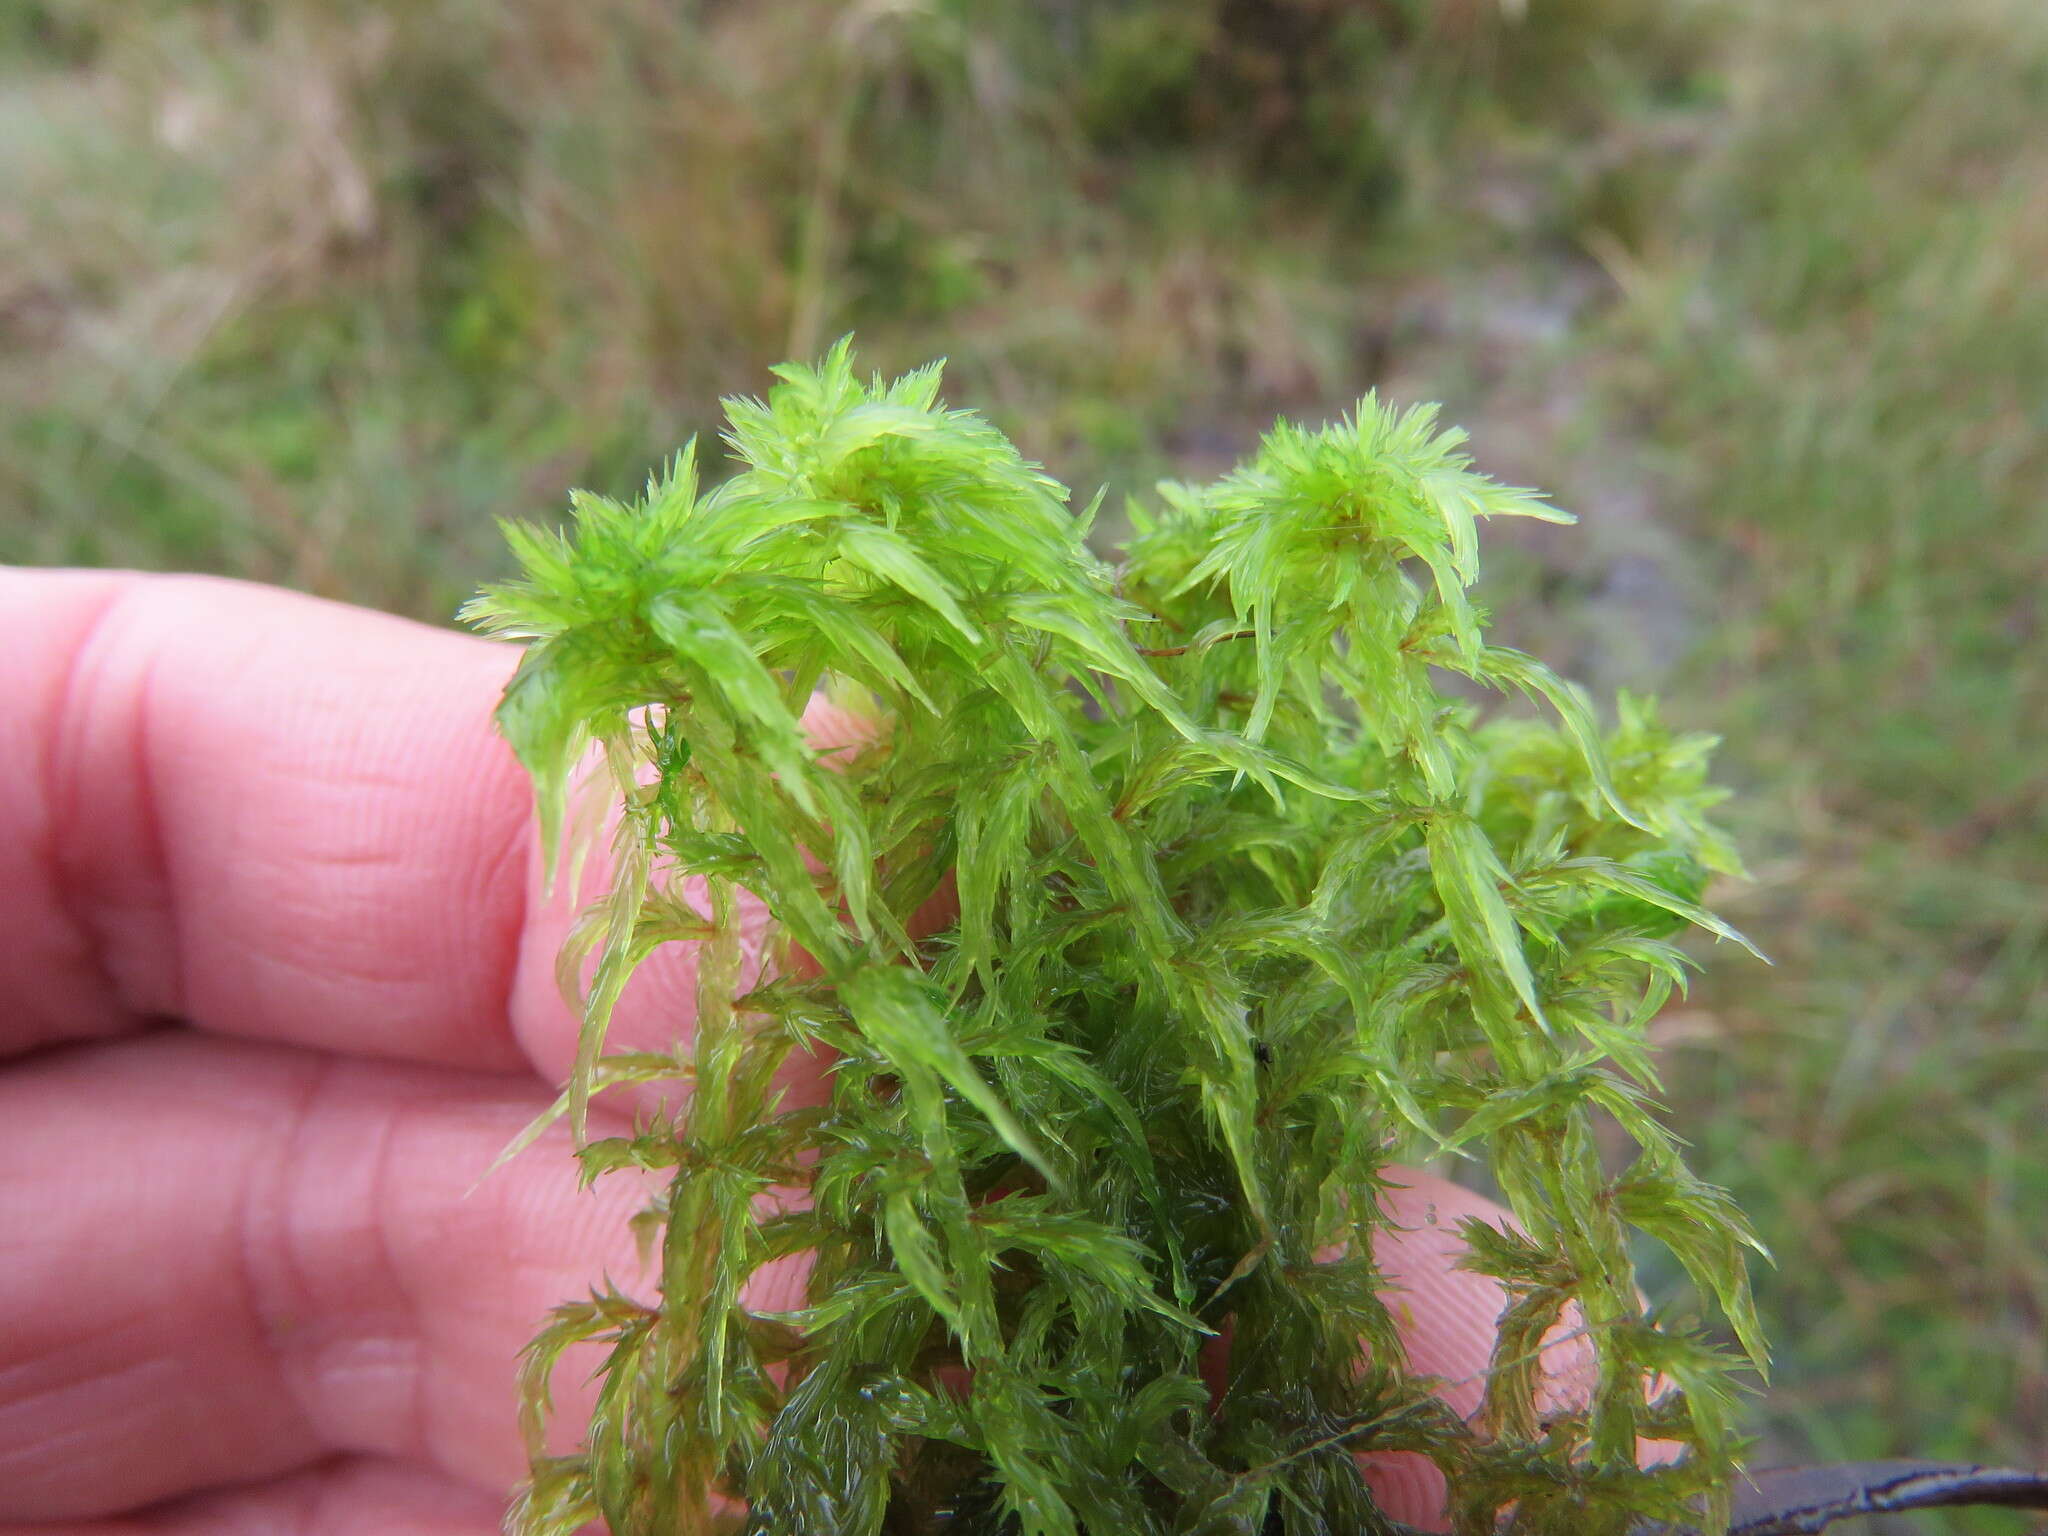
x=307, y=291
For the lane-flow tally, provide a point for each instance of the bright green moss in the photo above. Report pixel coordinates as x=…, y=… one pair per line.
x=1246, y=907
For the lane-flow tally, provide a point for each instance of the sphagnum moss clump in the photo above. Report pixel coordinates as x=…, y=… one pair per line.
x=1246, y=906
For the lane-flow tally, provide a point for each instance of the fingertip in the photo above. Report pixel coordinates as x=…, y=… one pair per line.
x=1445, y=1315
x=268, y=814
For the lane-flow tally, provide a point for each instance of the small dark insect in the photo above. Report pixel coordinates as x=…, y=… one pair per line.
x=1262, y=1053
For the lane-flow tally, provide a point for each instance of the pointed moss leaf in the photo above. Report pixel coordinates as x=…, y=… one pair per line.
x=994, y=829
x=891, y=558
x=557, y=1499
x=610, y=1072
x=1100, y=643
x=1468, y=875
x=856, y=646
x=1516, y=1370
x=694, y=625
x=606, y=1313
x=1611, y=876
x=916, y=1254
x=865, y=425
x=617, y=959
x=1488, y=499
x=1028, y=1442
x=909, y=1024
x=1705, y=1231
x=1502, y=665
x=1450, y=591
x=546, y=721
x=1109, y=1259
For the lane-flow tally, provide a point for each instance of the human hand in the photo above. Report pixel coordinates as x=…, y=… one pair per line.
x=279, y=984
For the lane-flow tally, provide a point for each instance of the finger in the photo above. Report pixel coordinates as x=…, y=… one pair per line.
x=349, y=1496
x=1446, y=1317
x=276, y=818
x=226, y=1260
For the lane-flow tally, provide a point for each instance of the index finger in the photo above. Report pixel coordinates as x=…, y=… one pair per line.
x=271, y=815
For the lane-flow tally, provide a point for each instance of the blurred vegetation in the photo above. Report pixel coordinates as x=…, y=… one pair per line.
x=307, y=291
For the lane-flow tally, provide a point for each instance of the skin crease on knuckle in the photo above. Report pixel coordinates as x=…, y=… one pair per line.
x=291, y=823
x=265, y=1257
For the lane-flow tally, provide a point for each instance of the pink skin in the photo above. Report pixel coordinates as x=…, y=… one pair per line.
x=279, y=987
